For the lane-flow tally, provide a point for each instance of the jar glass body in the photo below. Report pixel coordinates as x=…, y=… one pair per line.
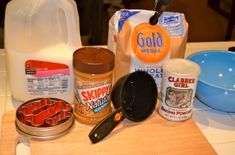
x=93, y=92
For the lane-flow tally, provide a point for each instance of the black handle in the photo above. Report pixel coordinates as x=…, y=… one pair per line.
x=160, y=6
x=231, y=49
x=104, y=127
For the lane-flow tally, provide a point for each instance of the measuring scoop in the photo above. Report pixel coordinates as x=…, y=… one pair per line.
x=134, y=97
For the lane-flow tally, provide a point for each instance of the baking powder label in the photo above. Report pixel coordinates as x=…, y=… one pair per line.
x=177, y=97
x=46, y=78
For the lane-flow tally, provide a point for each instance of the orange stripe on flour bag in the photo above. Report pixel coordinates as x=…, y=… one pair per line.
x=150, y=43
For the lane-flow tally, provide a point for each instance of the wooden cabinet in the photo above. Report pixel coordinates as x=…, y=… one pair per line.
x=227, y=9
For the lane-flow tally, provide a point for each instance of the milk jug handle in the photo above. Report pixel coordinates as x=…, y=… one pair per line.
x=70, y=24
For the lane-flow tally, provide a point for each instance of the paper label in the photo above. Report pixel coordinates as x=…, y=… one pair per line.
x=150, y=48
x=173, y=23
x=94, y=97
x=177, y=97
x=46, y=78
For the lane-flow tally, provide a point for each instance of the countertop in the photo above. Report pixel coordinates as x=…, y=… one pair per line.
x=218, y=127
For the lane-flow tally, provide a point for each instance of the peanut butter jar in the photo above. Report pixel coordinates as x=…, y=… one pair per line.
x=93, y=68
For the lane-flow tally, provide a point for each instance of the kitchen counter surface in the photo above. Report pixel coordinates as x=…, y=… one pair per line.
x=218, y=127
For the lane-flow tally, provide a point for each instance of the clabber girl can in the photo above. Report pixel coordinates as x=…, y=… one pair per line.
x=178, y=89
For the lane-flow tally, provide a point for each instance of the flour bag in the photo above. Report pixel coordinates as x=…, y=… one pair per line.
x=138, y=45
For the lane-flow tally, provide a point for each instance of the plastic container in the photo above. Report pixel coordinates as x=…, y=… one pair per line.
x=93, y=68
x=40, y=38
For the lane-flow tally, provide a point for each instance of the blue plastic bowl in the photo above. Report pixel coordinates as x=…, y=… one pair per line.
x=216, y=83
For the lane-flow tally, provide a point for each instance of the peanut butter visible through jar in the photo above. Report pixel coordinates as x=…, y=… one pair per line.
x=93, y=68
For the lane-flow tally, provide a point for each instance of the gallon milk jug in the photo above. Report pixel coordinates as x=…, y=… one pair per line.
x=40, y=38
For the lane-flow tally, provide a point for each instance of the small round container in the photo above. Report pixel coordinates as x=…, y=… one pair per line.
x=93, y=68
x=178, y=89
x=44, y=118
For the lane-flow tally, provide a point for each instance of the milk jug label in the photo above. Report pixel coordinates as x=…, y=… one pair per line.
x=151, y=47
x=46, y=78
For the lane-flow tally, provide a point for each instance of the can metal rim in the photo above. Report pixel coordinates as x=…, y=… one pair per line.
x=45, y=133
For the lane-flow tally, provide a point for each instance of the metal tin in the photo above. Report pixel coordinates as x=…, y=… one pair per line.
x=44, y=118
x=178, y=89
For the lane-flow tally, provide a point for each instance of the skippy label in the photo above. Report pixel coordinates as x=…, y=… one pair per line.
x=47, y=78
x=95, y=97
x=177, y=97
x=151, y=47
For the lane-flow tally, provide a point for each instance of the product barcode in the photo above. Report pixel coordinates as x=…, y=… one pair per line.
x=50, y=85
x=64, y=83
